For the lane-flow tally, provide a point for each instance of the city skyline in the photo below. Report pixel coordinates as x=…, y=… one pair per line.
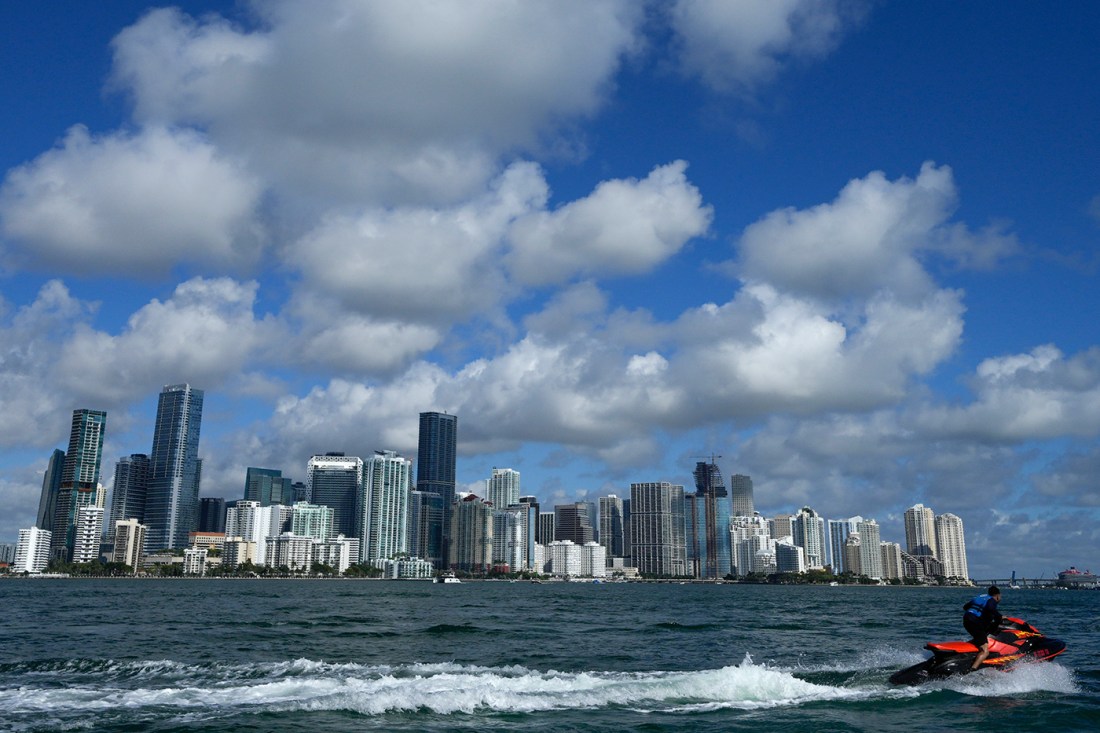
x=847, y=246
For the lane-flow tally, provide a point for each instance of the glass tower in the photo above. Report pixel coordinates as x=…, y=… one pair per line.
x=384, y=507
x=128, y=495
x=707, y=514
x=51, y=486
x=268, y=486
x=79, y=477
x=172, y=500
x=436, y=455
x=335, y=480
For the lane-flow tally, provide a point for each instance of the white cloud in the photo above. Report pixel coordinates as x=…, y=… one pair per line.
x=736, y=46
x=625, y=227
x=398, y=102
x=131, y=204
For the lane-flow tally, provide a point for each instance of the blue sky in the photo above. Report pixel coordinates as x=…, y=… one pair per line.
x=849, y=247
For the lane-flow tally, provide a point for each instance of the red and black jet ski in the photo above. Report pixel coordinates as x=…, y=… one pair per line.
x=1015, y=641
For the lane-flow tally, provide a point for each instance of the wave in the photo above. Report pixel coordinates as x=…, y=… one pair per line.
x=159, y=687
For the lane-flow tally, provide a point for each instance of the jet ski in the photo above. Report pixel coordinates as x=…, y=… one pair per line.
x=1015, y=641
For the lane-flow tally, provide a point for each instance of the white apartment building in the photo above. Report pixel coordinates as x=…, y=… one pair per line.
x=337, y=552
x=32, y=551
x=510, y=538
x=384, y=521
x=88, y=533
x=870, y=550
x=920, y=531
x=407, y=568
x=951, y=546
x=129, y=541
x=288, y=549
x=237, y=551
x=891, y=561
x=255, y=523
x=194, y=561
x=502, y=488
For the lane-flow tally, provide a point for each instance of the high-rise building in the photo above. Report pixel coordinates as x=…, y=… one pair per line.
x=707, y=513
x=573, y=522
x=657, y=529
x=384, y=507
x=613, y=528
x=212, y=514
x=128, y=494
x=780, y=526
x=79, y=477
x=87, y=533
x=546, y=527
x=891, y=561
x=253, y=523
x=510, y=537
x=839, y=529
x=748, y=536
x=172, y=500
x=471, y=547
x=741, y=495
x=32, y=551
x=268, y=486
x=808, y=529
x=436, y=460
x=502, y=488
x=870, y=550
x=129, y=541
x=311, y=520
x=51, y=487
x=951, y=546
x=335, y=480
x=425, y=520
x=920, y=531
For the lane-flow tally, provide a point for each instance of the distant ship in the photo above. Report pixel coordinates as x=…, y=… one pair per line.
x=447, y=577
x=1074, y=578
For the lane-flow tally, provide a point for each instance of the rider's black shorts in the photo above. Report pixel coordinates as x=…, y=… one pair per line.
x=978, y=630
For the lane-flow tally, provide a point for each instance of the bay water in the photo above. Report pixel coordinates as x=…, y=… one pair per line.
x=368, y=655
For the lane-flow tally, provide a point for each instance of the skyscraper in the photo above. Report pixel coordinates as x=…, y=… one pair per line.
x=839, y=529
x=741, y=495
x=573, y=522
x=268, y=486
x=436, y=457
x=79, y=477
x=920, y=531
x=612, y=526
x=212, y=514
x=808, y=529
x=384, y=507
x=951, y=546
x=335, y=480
x=129, y=492
x=870, y=550
x=657, y=529
x=172, y=500
x=707, y=514
x=425, y=520
x=471, y=547
x=51, y=486
x=503, y=488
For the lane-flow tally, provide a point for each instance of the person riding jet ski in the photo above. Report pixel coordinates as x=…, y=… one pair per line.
x=980, y=619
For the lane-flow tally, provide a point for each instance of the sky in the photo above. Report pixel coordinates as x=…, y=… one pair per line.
x=847, y=248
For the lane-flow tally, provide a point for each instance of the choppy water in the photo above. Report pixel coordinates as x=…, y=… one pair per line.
x=227, y=655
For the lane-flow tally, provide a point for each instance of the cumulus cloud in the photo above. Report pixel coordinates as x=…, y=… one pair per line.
x=389, y=101
x=625, y=227
x=736, y=46
x=132, y=204
x=1038, y=395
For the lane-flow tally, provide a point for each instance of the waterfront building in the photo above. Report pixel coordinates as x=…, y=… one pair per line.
x=911, y=567
x=7, y=552
x=593, y=560
x=748, y=536
x=268, y=486
x=436, y=458
x=920, y=531
x=87, y=534
x=891, y=561
x=425, y=520
x=129, y=490
x=546, y=528
x=212, y=514
x=657, y=529
x=51, y=487
x=565, y=558
x=741, y=495
x=707, y=513
x=502, y=488
x=765, y=562
x=238, y=551
x=808, y=531
x=194, y=561
x=337, y=552
x=951, y=546
x=254, y=523
x=839, y=529
x=209, y=540
x=384, y=507
x=290, y=551
x=129, y=543
x=79, y=478
x=613, y=526
x=32, y=551
x=407, y=568
x=175, y=472
x=780, y=526
x=510, y=538
x=311, y=520
x=335, y=480
x=574, y=522
x=870, y=552
x=471, y=533
x=790, y=558
x=853, y=547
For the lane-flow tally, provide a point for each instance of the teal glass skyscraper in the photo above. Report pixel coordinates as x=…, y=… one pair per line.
x=436, y=456
x=172, y=499
x=79, y=477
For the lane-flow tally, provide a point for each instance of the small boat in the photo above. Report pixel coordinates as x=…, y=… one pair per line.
x=447, y=577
